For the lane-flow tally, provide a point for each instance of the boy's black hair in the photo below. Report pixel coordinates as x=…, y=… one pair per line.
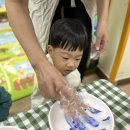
x=69, y=34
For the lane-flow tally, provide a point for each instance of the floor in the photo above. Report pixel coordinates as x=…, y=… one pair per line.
x=25, y=104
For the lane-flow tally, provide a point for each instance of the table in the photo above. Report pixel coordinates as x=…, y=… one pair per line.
x=118, y=102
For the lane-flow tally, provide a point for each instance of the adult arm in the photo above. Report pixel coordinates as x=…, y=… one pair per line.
x=50, y=81
x=102, y=32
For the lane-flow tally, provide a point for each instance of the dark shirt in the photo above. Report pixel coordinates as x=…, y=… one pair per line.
x=5, y=103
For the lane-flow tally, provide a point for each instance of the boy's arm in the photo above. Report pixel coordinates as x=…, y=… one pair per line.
x=50, y=81
x=102, y=34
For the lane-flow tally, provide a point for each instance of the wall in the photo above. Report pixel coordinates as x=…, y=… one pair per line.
x=124, y=71
x=117, y=13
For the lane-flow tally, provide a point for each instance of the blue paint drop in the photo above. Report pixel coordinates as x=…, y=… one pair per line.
x=107, y=118
x=77, y=124
x=95, y=111
x=92, y=121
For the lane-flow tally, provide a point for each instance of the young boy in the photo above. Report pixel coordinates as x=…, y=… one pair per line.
x=67, y=41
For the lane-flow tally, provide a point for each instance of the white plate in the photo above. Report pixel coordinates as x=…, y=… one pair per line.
x=57, y=120
x=9, y=128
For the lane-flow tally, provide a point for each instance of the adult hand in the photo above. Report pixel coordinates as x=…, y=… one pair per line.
x=51, y=83
x=101, y=37
x=102, y=32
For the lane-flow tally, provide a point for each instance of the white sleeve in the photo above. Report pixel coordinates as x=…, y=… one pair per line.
x=73, y=78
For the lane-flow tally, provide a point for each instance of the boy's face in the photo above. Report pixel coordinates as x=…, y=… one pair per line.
x=65, y=61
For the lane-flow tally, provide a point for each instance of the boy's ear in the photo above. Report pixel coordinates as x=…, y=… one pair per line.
x=50, y=49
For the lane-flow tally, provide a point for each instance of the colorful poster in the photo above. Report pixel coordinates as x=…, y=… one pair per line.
x=16, y=72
